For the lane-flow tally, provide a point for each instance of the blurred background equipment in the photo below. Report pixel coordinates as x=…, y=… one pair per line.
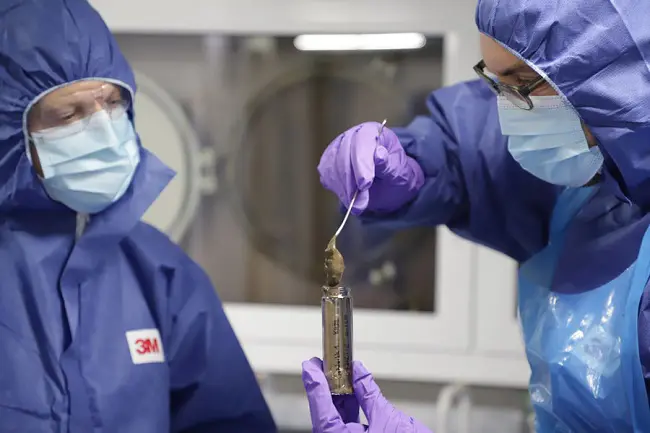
x=242, y=106
x=167, y=132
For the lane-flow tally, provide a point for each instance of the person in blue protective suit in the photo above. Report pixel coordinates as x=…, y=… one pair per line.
x=545, y=158
x=105, y=324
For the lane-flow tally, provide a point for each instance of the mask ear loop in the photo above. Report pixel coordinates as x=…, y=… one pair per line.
x=82, y=222
x=28, y=151
x=30, y=147
x=29, y=141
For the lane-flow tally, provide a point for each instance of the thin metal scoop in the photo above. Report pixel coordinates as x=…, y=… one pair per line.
x=334, y=264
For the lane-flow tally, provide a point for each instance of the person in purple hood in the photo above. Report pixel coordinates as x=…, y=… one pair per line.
x=545, y=158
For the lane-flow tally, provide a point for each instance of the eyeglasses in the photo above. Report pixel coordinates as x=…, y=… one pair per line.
x=74, y=111
x=518, y=95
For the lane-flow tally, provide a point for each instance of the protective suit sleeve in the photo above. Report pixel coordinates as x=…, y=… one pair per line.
x=213, y=387
x=472, y=184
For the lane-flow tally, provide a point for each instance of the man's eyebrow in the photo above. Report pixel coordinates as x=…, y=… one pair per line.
x=520, y=66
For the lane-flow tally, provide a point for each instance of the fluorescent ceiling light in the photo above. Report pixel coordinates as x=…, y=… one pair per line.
x=369, y=42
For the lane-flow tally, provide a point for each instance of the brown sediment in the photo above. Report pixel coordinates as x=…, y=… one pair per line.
x=334, y=264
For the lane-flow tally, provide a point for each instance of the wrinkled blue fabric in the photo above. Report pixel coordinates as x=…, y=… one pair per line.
x=65, y=307
x=598, y=54
x=582, y=348
x=472, y=184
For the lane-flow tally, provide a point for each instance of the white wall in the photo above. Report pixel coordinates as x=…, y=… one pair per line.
x=453, y=18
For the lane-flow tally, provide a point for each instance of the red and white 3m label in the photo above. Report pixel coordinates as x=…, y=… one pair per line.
x=145, y=346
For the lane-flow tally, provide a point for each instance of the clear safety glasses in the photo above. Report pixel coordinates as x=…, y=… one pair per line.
x=518, y=95
x=69, y=113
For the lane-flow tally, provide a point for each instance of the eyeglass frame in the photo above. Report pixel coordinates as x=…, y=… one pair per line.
x=117, y=108
x=522, y=91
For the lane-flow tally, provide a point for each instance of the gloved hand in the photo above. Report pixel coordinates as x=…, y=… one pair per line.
x=340, y=414
x=379, y=168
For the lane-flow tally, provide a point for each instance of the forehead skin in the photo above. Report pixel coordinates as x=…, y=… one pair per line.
x=498, y=59
x=63, y=97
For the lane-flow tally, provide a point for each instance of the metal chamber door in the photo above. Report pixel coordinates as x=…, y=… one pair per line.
x=292, y=110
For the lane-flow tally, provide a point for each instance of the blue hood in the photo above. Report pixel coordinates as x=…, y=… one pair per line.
x=45, y=44
x=597, y=53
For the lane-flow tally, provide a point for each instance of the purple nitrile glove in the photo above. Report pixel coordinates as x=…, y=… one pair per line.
x=378, y=168
x=340, y=414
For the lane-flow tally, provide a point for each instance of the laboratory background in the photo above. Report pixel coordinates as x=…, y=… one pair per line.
x=241, y=98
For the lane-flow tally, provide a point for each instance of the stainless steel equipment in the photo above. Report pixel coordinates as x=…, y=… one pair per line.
x=336, y=310
x=336, y=304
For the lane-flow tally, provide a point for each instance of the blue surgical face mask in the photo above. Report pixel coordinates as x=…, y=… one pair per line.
x=89, y=164
x=548, y=141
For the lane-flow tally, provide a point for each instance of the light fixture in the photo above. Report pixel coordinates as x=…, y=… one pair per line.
x=356, y=42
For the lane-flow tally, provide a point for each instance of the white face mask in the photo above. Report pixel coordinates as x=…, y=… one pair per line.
x=88, y=167
x=548, y=141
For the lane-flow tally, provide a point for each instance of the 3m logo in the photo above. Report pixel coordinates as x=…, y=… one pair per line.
x=145, y=346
